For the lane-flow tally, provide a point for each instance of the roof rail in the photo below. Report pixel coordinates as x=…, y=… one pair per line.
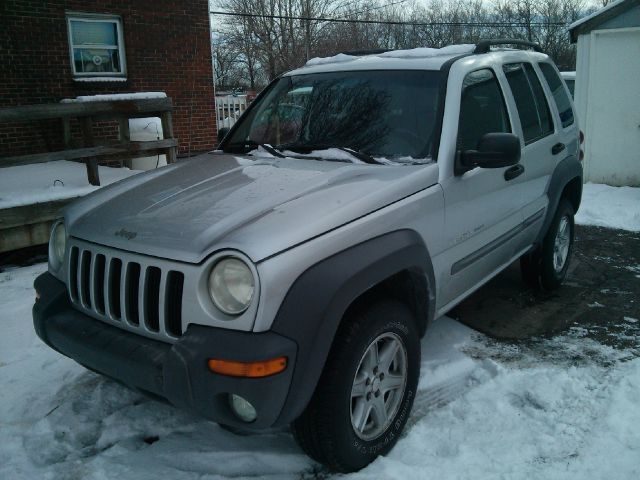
x=484, y=46
x=358, y=53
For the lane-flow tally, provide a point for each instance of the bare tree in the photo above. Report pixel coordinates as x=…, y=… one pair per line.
x=269, y=37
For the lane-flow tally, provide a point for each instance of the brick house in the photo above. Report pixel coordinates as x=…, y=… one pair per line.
x=65, y=48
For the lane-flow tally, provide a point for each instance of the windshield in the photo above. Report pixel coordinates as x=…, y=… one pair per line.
x=388, y=114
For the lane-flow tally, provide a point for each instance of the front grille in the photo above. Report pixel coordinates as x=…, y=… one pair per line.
x=129, y=291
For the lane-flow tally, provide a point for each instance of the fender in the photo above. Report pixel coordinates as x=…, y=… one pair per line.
x=567, y=170
x=316, y=302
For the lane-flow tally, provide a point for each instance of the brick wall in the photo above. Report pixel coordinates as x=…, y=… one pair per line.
x=166, y=46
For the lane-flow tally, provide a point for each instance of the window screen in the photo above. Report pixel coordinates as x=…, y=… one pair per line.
x=559, y=93
x=532, y=105
x=482, y=109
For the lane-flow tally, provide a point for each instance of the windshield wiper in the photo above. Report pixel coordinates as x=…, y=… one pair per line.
x=300, y=147
x=360, y=155
x=309, y=147
x=251, y=143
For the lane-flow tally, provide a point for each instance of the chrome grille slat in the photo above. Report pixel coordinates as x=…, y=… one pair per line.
x=92, y=281
x=105, y=287
x=83, y=291
x=131, y=291
x=124, y=310
x=73, y=274
x=162, y=302
x=98, y=279
x=142, y=297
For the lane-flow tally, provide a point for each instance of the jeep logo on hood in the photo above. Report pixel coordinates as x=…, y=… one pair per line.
x=126, y=234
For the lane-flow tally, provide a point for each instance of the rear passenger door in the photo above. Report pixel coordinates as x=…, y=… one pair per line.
x=540, y=145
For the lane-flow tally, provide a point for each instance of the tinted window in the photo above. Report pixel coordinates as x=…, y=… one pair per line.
x=482, y=109
x=559, y=93
x=383, y=113
x=533, y=109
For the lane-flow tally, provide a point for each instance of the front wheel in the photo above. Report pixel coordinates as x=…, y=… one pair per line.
x=366, y=390
x=548, y=265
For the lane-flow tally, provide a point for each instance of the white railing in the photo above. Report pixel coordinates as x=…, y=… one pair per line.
x=229, y=108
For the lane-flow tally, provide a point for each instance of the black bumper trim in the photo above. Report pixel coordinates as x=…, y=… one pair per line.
x=176, y=372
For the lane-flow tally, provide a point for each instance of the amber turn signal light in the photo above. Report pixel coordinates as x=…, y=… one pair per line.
x=260, y=369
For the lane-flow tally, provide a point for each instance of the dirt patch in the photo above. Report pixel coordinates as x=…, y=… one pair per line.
x=601, y=295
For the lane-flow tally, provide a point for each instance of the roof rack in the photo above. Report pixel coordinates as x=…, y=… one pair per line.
x=484, y=46
x=359, y=53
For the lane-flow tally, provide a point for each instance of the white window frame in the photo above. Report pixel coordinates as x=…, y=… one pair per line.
x=97, y=18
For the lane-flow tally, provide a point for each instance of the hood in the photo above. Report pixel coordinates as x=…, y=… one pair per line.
x=259, y=206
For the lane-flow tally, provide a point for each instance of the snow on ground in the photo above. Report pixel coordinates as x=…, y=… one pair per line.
x=561, y=408
x=43, y=182
x=611, y=207
x=546, y=408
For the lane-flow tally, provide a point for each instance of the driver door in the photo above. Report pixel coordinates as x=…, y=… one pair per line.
x=482, y=207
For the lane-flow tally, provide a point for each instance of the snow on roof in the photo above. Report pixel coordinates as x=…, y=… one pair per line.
x=410, y=53
x=115, y=96
x=430, y=52
x=595, y=14
x=341, y=57
x=597, y=18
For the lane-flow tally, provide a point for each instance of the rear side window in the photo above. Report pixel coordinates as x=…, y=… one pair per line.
x=482, y=109
x=531, y=102
x=559, y=93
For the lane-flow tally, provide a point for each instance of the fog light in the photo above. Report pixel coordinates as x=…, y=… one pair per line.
x=242, y=408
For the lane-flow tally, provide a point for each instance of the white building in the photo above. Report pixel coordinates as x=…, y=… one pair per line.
x=607, y=94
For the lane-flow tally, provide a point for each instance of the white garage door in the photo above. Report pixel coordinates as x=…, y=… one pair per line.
x=613, y=129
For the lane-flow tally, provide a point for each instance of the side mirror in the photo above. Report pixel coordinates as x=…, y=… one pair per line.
x=495, y=150
x=222, y=133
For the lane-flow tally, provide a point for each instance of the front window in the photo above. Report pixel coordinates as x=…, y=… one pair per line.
x=96, y=45
x=390, y=114
x=482, y=109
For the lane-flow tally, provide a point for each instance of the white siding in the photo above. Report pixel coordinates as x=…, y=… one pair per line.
x=607, y=102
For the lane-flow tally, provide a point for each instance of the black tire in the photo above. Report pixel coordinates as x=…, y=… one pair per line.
x=325, y=430
x=538, y=268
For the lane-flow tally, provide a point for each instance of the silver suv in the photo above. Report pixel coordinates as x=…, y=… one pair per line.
x=287, y=278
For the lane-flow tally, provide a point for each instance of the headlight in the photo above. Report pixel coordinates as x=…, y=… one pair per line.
x=57, y=244
x=231, y=285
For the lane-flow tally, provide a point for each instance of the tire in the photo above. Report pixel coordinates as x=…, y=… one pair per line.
x=547, y=266
x=325, y=430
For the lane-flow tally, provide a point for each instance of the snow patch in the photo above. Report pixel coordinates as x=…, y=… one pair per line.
x=429, y=52
x=44, y=182
x=410, y=53
x=100, y=79
x=114, y=96
x=610, y=207
x=341, y=57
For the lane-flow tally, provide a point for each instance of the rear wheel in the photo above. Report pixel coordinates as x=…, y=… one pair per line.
x=366, y=390
x=547, y=266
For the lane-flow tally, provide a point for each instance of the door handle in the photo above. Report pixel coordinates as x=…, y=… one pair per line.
x=513, y=172
x=557, y=148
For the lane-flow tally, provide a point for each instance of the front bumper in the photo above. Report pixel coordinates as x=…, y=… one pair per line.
x=176, y=372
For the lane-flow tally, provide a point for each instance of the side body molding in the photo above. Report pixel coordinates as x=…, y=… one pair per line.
x=316, y=302
x=567, y=170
